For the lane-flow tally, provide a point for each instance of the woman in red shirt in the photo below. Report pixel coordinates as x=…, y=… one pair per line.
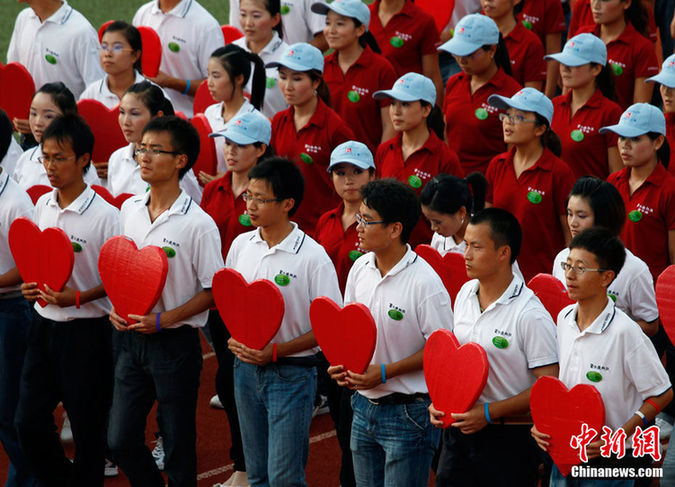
x=666, y=79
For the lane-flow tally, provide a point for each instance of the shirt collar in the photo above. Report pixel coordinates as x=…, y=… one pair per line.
x=593, y=102
x=61, y=16
x=105, y=90
x=319, y=117
x=179, y=207
x=626, y=37
x=291, y=244
x=431, y=145
x=4, y=178
x=599, y=325
x=179, y=10
x=272, y=45
x=79, y=205
x=408, y=258
x=514, y=289
x=545, y=161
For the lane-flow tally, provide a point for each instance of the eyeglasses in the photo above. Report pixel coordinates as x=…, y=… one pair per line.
x=55, y=160
x=579, y=269
x=115, y=48
x=141, y=151
x=514, y=119
x=360, y=221
x=249, y=198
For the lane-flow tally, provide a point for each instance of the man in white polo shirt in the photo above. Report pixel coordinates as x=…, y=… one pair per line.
x=160, y=357
x=496, y=310
x=189, y=34
x=393, y=441
x=69, y=356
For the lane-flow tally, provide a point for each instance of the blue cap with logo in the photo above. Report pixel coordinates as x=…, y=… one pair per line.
x=355, y=9
x=300, y=57
x=352, y=152
x=667, y=75
x=582, y=49
x=471, y=33
x=638, y=119
x=249, y=128
x=410, y=87
x=527, y=100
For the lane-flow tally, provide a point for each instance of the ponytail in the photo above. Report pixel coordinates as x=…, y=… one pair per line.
x=637, y=15
x=237, y=62
x=501, y=55
x=605, y=82
x=550, y=139
x=663, y=153
x=435, y=120
x=446, y=193
x=322, y=90
x=367, y=39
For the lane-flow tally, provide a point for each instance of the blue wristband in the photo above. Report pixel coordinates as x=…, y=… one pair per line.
x=487, y=412
x=187, y=87
x=384, y=375
x=159, y=328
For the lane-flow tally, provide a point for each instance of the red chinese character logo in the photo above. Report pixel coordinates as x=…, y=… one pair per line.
x=580, y=441
x=613, y=442
x=646, y=443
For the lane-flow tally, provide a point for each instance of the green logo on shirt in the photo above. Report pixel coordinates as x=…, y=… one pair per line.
x=534, y=197
x=527, y=24
x=612, y=297
x=353, y=96
x=500, y=342
x=396, y=41
x=76, y=247
x=50, y=59
x=270, y=83
x=635, y=216
x=395, y=314
x=170, y=252
x=284, y=9
x=481, y=113
x=245, y=220
x=594, y=376
x=306, y=158
x=282, y=279
x=577, y=135
x=354, y=254
x=415, y=181
x=616, y=69
x=174, y=47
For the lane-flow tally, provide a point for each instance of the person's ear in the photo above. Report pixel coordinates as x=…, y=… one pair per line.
x=606, y=278
x=395, y=230
x=287, y=204
x=181, y=161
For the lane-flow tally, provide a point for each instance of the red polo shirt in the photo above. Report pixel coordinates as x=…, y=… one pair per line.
x=472, y=126
x=527, y=55
x=543, y=17
x=409, y=35
x=342, y=246
x=651, y=215
x=583, y=148
x=670, y=137
x=582, y=17
x=537, y=199
x=310, y=149
x=351, y=94
x=228, y=212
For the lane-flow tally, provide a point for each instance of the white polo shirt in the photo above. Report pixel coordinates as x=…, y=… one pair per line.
x=124, y=176
x=191, y=241
x=29, y=171
x=516, y=332
x=274, y=101
x=100, y=91
x=189, y=34
x=615, y=357
x=299, y=267
x=632, y=290
x=408, y=304
x=14, y=152
x=14, y=203
x=298, y=22
x=62, y=48
x=214, y=114
x=88, y=221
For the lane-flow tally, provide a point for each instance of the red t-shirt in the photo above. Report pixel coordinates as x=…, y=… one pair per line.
x=472, y=126
x=670, y=137
x=651, y=215
x=538, y=198
x=543, y=17
x=583, y=148
x=351, y=94
x=527, y=55
x=342, y=246
x=582, y=17
x=228, y=212
x=409, y=35
x=310, y=149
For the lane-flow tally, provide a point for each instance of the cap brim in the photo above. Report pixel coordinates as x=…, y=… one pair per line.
x=320, y=8
x=622, y=131
x=568, y=59
x=354, y=162
x=504, y=103
x=395, y=95
x=240, y=139
x=664, y=79
x=290, y=65
x=459, y=47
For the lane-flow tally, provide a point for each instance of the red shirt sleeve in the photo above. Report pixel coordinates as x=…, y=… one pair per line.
x=535, y=64
x=554, y=20
x=646, y=63
x=387, y=80
x=564, y=180
x=431, y=40
x=490, y=176
x=613, y=116
x=450, y=162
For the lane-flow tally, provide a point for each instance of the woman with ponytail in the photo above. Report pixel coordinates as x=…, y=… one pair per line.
x=530, y=180
x=229, y=71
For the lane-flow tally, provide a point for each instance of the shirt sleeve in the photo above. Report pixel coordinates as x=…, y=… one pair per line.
x=315, y=22
x=87, y=58
x=554, y=19
x=535, y=64
x=643, y=368
x=538, y=337
x=563, y=185
x=641, y=297
x=324, y=282
x=490, y=175
x=207, y=258
x=435, y=311
x=430, y=39
x=13, y=49
x=646, y=63
x=613, y=116
x=387, y=80
x=450, y=163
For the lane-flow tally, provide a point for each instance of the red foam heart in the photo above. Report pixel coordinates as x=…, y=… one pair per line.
x=152, y=51
x=231, y=33
x=441, y=10
x=38, y=190
x=454, y=375
x=206, y=161
x=346, y=335
x=451, y=267
x=551, y=292
x=560, y=412
x=665, y=300
x=132, y=278
x=106, y=195
x=240, y=305
x=108, y=136
x=16, y=92
x=180, y=114
x=203, y=98
x=45, y=257
x=101, y=29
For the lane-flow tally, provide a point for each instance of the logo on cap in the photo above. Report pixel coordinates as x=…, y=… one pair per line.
x=461, y=30
x=571, y=44
x=238, y=122
x=348, y=150
x=291, y=52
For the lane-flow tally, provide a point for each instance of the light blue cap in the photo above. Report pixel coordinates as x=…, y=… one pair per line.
x=247, y=129
x=527, y=100
x=582, y=49
x=410, y=87
x=300, y=57
x=471, y=33
x=352, y=152
x=667, y=75
x=638, y=119
x=355, y=9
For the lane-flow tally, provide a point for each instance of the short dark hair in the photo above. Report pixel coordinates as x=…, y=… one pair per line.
x=504, y=228
x=152, y=97
x=284, y=177
x=71, y=130
x=605, y=201
x=394, y=202
x=6, y=132
x=60, y=95
x=184, y=138
x=607, y=248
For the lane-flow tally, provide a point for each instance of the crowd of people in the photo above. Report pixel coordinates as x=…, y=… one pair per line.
x=525, y=135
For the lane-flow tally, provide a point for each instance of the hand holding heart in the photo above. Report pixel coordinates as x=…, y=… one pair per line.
x=471, y=421
x=62, y=299
x=372, y=377
x=146, y=324
x=251, y=355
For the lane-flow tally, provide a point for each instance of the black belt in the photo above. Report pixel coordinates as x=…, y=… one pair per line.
x=398, y=398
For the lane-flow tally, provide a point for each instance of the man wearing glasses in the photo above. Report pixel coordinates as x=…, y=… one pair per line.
x=160, y=355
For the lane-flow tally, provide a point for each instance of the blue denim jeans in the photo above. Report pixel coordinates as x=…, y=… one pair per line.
x=557, y=480
x=274, y=404
x=392, y=445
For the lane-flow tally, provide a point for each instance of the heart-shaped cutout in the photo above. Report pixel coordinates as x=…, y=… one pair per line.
x=551, y=292
x=203, y=98
x=45, y=257
x=207, y=160
x=231, y=33
x=440, y=10
x=102, y=121
x=116, y=201
x=152, y=48
x=451, y=267
x=38, y=190
x=665, y=300
x=251, y=312
x=346, y=335
x=17, y=90
x=455, y=375
x=132, y=278
x=560, y=413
